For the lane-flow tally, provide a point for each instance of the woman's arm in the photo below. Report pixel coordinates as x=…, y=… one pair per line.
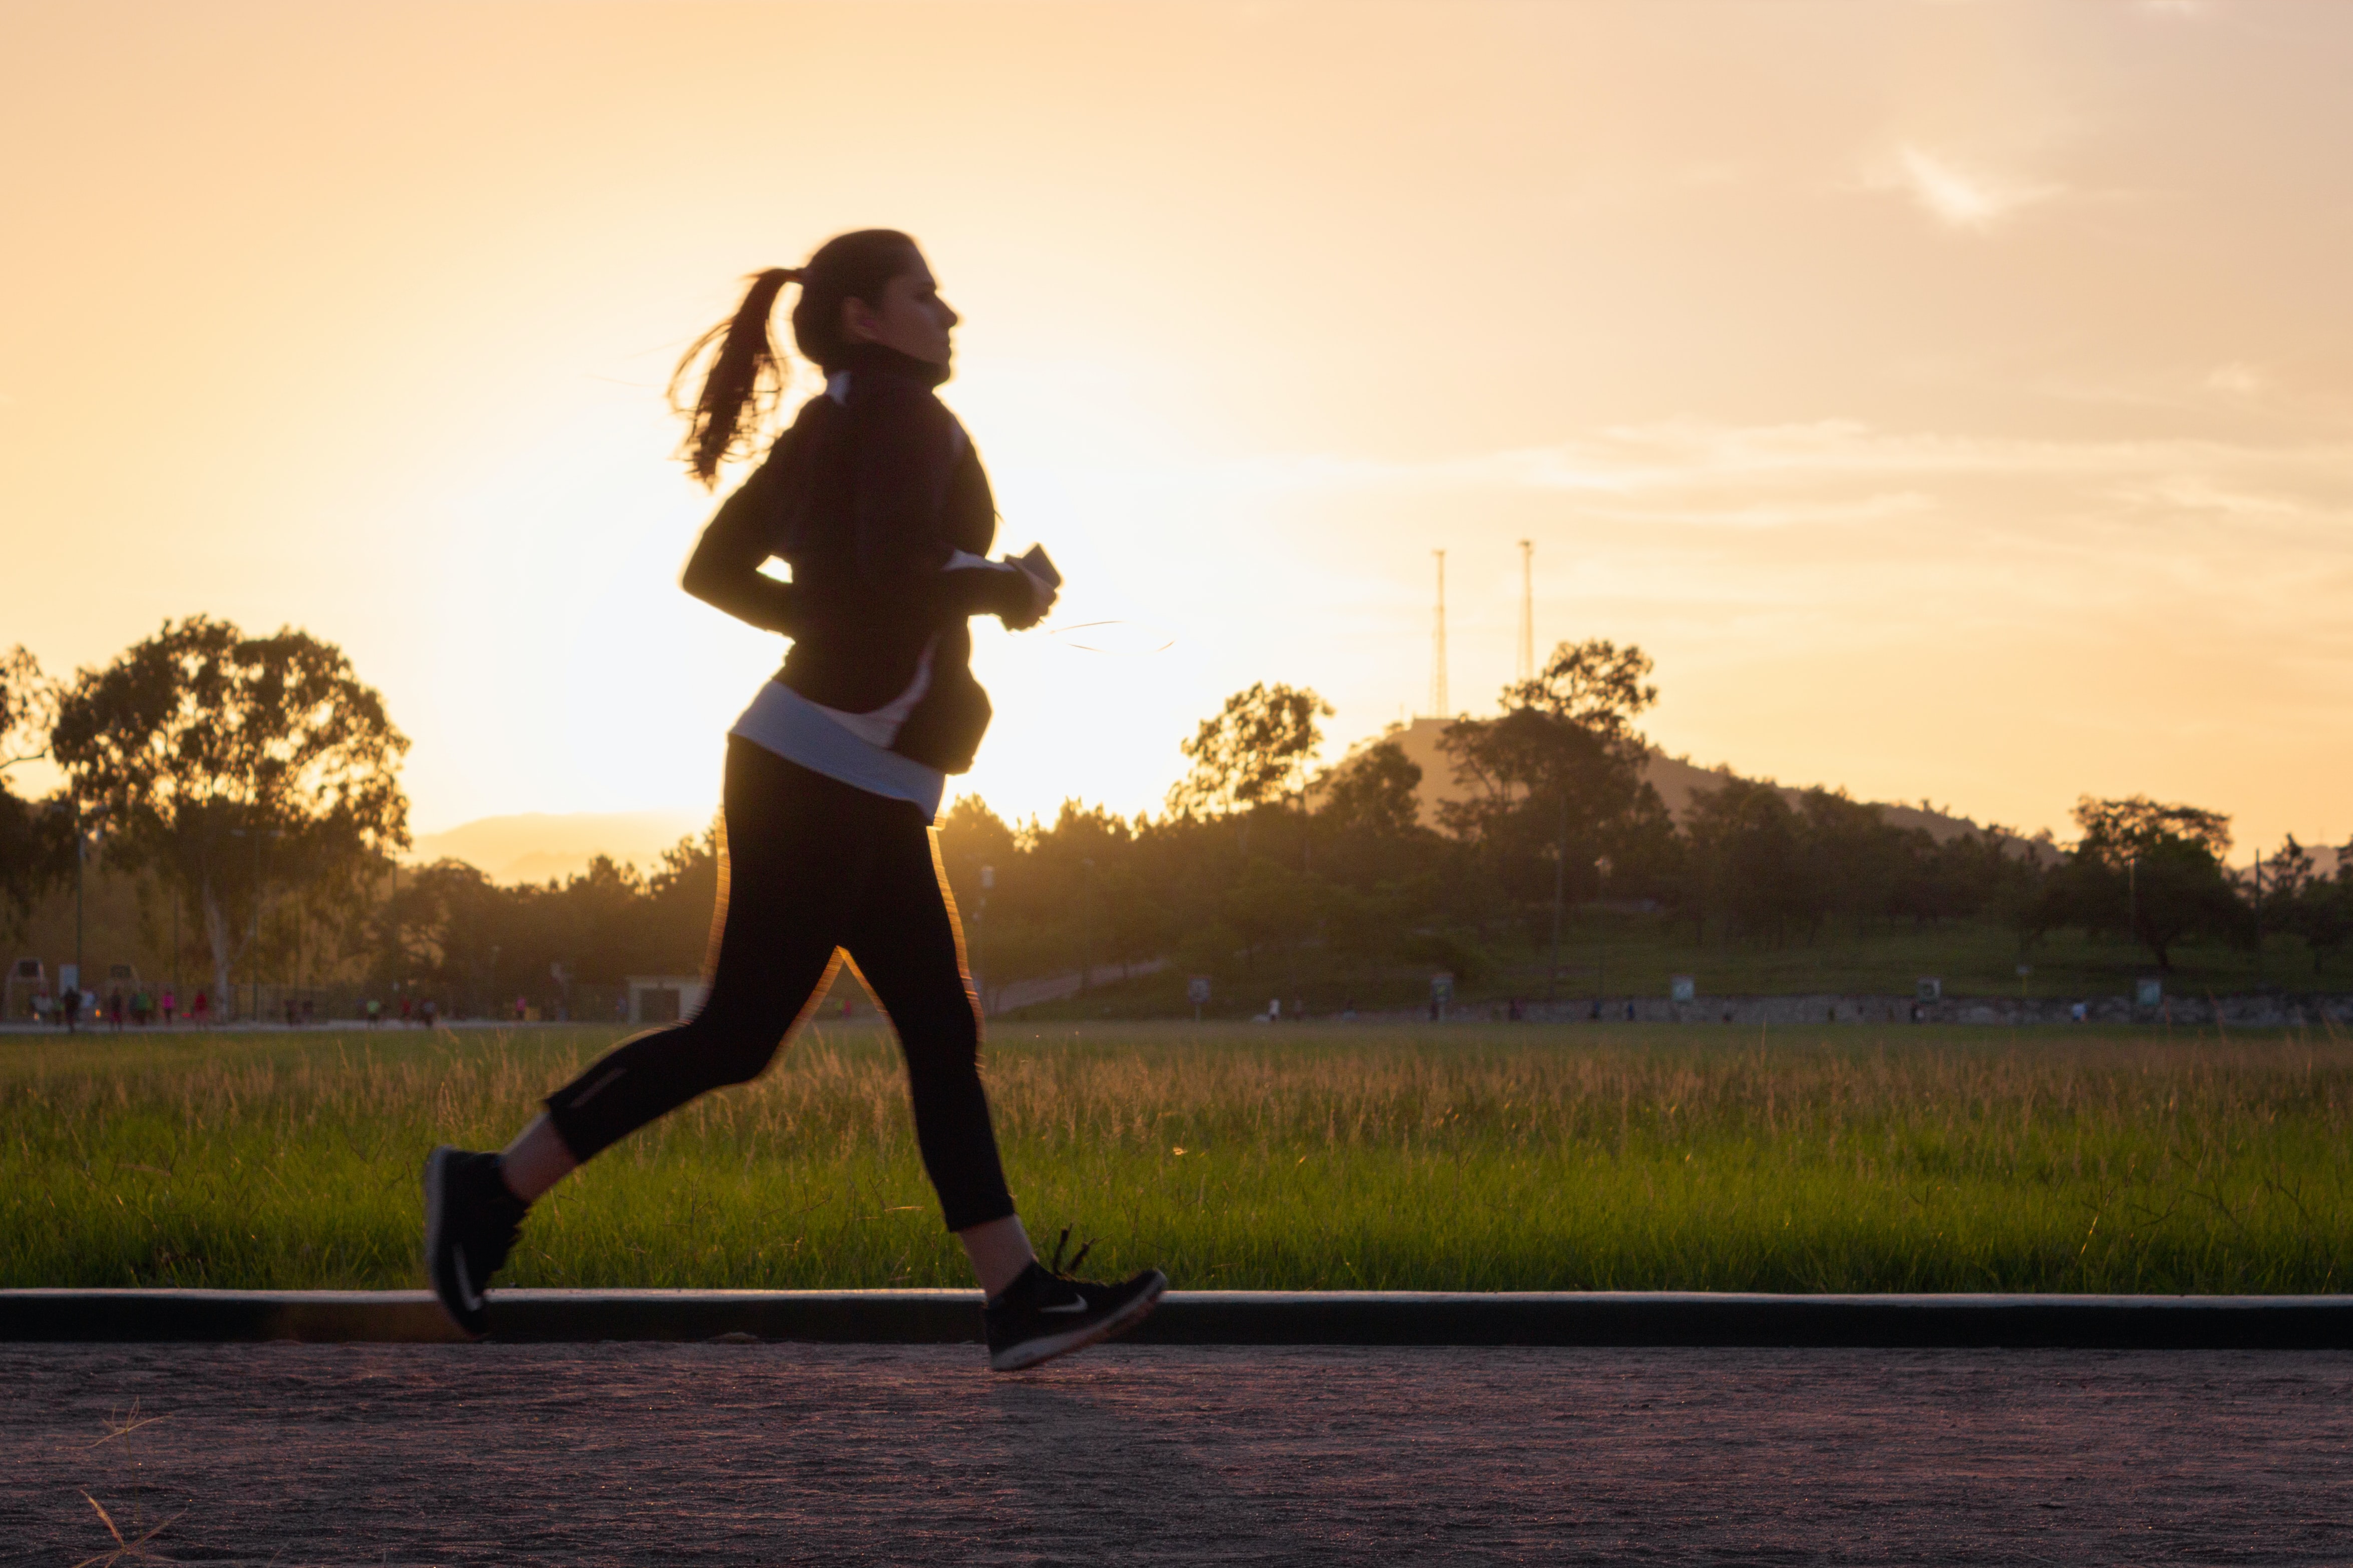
x=724, y=570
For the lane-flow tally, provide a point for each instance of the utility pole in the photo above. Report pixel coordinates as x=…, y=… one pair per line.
x=1086, y=922
x=1527, y=666
x=1559, y=882
x=1437, y=704
x=2132, y=898
x=2259, y=919
x=81, y=853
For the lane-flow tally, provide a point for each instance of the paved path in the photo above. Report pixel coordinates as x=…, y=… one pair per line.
x=645, y=1454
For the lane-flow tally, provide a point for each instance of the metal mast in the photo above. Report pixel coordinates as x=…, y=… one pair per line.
x=1527, y=611
x=1438, y=646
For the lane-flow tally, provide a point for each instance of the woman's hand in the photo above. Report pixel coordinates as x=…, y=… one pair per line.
x=1042, y=595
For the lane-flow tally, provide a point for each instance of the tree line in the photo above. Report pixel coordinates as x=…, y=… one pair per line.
x=251, y=785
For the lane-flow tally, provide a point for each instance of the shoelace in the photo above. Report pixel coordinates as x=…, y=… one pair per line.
x=1056, y=1268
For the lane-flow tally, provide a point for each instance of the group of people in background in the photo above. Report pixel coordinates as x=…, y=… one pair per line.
x=142, y=1006
x=138, y=1007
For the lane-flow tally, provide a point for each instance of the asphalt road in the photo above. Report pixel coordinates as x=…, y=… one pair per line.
x=773, y=1454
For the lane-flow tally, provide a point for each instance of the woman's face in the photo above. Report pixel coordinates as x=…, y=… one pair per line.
x=910, y=317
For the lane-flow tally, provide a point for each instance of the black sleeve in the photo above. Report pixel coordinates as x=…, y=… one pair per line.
x=724, y=570
x=903, y=452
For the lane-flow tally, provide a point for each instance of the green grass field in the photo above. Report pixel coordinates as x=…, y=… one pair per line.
x=1469, y=1157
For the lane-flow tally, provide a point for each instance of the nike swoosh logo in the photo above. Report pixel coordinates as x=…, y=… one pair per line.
x=466, y=1286
x=1077, y=1306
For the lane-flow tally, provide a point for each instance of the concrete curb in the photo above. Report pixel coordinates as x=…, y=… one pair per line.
x=1214, y=1318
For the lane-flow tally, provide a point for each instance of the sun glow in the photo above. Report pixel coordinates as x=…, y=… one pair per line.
x=2012, y=469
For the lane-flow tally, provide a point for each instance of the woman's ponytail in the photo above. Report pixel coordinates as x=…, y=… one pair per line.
x=746, y=375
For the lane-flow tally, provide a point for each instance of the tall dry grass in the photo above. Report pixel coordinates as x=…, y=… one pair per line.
x=1463, y=1158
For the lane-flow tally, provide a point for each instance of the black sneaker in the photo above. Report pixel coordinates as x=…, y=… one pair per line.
x=470, y=1222
x=1045, y=1312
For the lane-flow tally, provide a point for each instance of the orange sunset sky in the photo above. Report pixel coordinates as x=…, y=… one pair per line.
x=1956, y=399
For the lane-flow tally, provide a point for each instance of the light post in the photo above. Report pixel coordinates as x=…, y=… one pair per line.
x=1601, y=869
x=1087, y=924
x=1559, y=887
x=84, y=835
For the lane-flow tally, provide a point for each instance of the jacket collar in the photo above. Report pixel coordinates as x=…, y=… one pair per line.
x=875, y=357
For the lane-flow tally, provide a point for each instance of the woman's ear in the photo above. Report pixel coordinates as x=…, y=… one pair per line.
x=858, y=320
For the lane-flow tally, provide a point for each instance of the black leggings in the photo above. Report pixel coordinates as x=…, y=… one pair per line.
x=813, y=864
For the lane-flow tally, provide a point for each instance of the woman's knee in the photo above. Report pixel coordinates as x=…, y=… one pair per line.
x=726, y=1050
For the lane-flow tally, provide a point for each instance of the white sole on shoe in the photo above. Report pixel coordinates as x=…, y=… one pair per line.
x=1032, y=1353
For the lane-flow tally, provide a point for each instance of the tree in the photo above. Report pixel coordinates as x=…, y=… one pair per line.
x=35, y=838
x=222, y=762
x=1558, y=780
x=1372, y=792
x=1747, y=858
x=1255, y=751
x=2151, y=870
x=2318, y=908
x=1595, y=685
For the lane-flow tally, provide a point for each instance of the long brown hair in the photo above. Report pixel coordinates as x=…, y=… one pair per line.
x=746, y=376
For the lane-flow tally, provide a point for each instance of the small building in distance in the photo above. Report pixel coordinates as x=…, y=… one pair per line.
x=663, y=998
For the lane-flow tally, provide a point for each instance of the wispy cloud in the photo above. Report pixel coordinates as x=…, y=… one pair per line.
x=1955, y=195
x=1839, y=473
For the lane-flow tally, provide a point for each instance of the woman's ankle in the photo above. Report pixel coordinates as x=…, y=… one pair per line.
x=536, y=1160
x=1000, y=1252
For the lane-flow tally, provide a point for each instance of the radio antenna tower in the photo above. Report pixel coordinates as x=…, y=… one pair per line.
x=1438, y=646
x=1527, y=611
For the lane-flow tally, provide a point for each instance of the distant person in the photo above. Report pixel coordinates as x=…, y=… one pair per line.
x=877, y=502
x=375, y=1012
x=72, y=998
x=430, y=1011
x=114, y=1008
x=200, y=1011
x=171, y=1005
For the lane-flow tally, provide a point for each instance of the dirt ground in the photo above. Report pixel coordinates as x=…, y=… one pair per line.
x=774, y=1454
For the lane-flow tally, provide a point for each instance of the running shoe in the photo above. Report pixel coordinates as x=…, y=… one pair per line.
x=470, y=1223
x=1045, y=1312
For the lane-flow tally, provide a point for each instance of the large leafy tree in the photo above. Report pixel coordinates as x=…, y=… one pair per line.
x=1255, y=751
x=1595, y=685
x=36, y=836
x=1375, y=793
x=226, y=765
x=2152, y=870
x=1556, y=781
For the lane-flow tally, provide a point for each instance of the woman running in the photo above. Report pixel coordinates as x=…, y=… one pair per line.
x=876, y=499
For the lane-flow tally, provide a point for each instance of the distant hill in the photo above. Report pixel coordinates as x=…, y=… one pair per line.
x=537, y=846
x=1676, y=779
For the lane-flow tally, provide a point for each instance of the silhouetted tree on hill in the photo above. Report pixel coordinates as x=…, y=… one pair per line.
x=1255, y=751
x=1556, y=781
x=2151, y=872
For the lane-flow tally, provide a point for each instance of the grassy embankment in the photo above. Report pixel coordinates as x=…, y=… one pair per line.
x=1463, y=1158
x=1636, y=955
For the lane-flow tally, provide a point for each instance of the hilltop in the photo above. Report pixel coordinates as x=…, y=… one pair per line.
x=1677, y=780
